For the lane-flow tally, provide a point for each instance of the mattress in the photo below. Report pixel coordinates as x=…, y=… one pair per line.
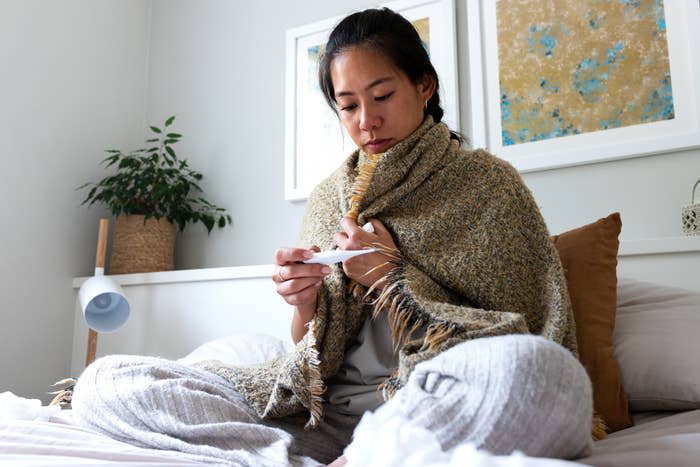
x=669, y=439
x=658, y=438
x=58, y=442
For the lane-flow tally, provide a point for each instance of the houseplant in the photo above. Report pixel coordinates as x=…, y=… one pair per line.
x=151, y=194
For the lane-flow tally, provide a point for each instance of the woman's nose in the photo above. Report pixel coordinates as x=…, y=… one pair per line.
x=369, y=119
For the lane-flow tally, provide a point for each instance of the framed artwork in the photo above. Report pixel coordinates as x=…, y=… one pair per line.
x=315, y=141
x=569, y=82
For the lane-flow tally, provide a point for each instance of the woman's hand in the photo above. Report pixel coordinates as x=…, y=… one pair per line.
x=298, y=284
x=295, y=281
x=365, y=269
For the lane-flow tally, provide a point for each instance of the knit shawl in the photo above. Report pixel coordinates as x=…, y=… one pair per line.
x=475, y=260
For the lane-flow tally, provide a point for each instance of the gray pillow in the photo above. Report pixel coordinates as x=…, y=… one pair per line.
x=657, y=343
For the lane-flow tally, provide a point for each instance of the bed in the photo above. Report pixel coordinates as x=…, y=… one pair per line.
x=658, y=315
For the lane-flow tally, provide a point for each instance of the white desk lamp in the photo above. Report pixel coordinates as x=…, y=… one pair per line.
x=104, y=305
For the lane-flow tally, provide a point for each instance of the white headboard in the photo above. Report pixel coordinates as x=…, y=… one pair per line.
x=673, y=261
x=174, y=312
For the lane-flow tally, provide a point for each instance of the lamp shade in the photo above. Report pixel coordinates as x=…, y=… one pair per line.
x=104, y=306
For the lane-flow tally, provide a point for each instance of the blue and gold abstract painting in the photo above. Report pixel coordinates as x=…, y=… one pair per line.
x=569, y=67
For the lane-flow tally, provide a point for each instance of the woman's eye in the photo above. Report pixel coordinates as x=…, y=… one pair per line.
x=346, y=108
x=384, y=97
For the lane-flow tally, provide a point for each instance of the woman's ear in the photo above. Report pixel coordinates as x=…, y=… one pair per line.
x=426, y=87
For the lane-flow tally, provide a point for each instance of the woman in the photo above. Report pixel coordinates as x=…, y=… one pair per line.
x=464, y=251
x=463, y=255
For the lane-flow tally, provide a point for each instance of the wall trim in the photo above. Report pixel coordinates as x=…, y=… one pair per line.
x=650, y=246
x=658, y=246
x=188, y=275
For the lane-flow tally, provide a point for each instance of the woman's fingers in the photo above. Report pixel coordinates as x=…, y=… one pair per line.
x=290, y=272
x=289, y=264
x=299, y=291
x=342, y=241
x=352, y=237
x=298, y=288
x=296, y=281
x=293, y=255
x=378, y=227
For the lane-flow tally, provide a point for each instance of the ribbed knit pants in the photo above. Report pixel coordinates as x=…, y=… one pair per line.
x=505, y=393
x=502, y=393
x=156, y=403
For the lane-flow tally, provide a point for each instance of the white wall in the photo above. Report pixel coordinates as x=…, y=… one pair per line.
x=648, y=192
x=219, y=65
x=79, y=76
x=71, y=84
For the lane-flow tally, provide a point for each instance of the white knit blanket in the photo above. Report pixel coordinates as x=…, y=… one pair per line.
x=500, y=393
x=390, y=441
x=186, y=409
x=513, y=395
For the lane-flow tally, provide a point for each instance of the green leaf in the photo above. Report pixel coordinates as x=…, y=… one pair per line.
x=153, y=182
x=208, y=222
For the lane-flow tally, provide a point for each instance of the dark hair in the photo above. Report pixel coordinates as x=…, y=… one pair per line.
x=390, y=34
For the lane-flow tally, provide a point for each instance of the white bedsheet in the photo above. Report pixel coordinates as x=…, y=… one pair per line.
x=57, y=442
x=672, y=440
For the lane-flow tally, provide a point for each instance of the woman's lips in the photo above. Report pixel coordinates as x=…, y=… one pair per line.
x=377, y=145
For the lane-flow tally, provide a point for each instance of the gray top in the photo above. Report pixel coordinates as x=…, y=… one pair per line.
x=368, y=362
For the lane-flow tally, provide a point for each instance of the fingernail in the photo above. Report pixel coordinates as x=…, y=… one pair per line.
x=326, y=270
x=319, y=283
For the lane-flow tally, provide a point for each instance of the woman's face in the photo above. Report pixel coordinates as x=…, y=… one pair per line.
x=377, y=103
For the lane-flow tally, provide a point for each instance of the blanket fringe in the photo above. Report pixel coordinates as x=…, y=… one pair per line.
x=599, y=429
x=404, y=315
x=437, y=333
x=388, y=388
x=316, y=385
x=63, y=397
x=361, y=183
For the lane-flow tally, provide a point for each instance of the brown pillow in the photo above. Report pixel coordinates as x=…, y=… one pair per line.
x=589, y=257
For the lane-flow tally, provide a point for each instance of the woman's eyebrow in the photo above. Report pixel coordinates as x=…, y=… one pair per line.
x=374, y=83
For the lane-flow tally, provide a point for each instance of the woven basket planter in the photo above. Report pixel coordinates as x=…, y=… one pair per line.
x=139, y=247
x=690, y=215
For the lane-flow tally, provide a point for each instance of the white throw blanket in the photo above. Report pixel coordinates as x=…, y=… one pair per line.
x=381, y=441
x=498, y=395
x=516, y=390
x=157, y=403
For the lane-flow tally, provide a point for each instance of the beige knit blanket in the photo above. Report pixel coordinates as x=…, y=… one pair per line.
x=475, y=260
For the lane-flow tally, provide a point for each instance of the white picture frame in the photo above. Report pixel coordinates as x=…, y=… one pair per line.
x=680, y=133
x=315, y=143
